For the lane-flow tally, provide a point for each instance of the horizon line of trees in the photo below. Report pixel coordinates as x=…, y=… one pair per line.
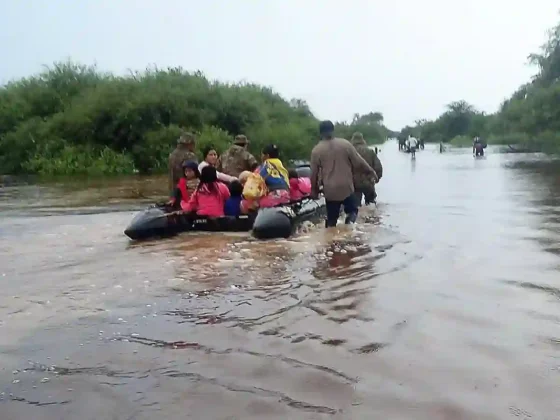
x=529, y=118
x=73, y=119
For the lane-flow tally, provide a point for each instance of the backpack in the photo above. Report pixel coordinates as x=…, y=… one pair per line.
x=255, y=187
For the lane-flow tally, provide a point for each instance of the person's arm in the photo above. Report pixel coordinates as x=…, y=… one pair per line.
x=178, y=196
x=315, y=166
x=225, y=178
x=358, y=163
x=175, y=198
x=262, y=170
x=192, y=205
x=377, y=166
x=250, y=161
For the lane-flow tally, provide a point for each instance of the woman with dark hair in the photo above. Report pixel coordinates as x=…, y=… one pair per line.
x=210, y=196
x=276, y=178
x=211, y=159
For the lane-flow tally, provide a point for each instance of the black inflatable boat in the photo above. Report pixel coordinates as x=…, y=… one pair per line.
x=275, y=222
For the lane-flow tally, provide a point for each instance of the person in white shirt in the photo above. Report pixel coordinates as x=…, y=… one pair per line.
x=412, y=144
x=211, y=159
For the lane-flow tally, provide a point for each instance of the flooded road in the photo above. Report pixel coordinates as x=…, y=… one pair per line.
x=441, y=303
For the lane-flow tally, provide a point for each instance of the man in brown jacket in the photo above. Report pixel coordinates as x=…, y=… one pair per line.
x=334, y=162
x=184, y=151
x=237, y=158
x=365, y=185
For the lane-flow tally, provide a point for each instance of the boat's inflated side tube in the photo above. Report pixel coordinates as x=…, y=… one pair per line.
x=274, y=222
x=150, y=222
x=304, y=171
x=242, y=223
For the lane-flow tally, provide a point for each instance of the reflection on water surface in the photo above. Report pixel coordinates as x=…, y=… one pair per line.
x=442, y=303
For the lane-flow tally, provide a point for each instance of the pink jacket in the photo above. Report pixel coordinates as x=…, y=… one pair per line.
x=207, y=203
x=299, y=188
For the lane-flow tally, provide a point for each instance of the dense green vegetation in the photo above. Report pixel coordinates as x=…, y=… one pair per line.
x=530, y=118
x=73, y=119
x=370, y=125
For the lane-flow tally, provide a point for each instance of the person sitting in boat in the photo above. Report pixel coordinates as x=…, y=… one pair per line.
x=274, y=177
x=233, y=203
x=299, y=187
x=182, y=192
x=211, y=159
x=210, y=196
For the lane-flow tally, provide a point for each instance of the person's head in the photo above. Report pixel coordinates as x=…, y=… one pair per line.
x=326, y=129
x=357, y=136
x=270, y=152
x=235, y=188
x=190, y=169
x=187, y=140
x=243, y=176
x=292, y=173
x=208, y=175
x=241, y=140
x=210, y=155
x=207, y=180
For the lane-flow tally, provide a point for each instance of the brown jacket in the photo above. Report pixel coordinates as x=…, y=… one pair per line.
x=333, y=165
x=362, y=181
x=235, y=160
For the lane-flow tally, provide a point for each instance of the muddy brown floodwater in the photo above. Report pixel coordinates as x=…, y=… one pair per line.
x=442, y=303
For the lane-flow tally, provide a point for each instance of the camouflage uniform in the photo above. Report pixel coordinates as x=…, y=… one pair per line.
x=237, y=158
x=176, y=159
x=363, y=184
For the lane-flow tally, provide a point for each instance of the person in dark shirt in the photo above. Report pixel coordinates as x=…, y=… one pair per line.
x=233, y=203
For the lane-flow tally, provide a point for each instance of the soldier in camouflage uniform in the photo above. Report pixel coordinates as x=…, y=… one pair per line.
x=184, y=151
x=364, y=185
x=237, y=158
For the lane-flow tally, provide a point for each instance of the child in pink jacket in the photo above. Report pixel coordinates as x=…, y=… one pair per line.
x=299, y=187
x=210, y=196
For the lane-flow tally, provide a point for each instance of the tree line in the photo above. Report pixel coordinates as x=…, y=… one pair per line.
x=530, y=118
x=75, y=119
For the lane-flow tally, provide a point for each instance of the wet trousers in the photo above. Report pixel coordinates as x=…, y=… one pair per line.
x=333, y=211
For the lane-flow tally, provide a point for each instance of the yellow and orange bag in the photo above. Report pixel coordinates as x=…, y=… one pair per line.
x=255, y=187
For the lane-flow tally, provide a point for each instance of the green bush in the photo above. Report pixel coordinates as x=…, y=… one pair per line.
x=509, y=139
x=75, y=160
x=461, y=141
x=213, y=136
x=72, y=119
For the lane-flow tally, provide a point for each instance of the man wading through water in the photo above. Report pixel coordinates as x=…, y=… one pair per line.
x=365, y=185
x=183, y=152
x=334, y=163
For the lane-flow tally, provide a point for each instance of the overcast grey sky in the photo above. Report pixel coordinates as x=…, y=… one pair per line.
x=404, y=58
